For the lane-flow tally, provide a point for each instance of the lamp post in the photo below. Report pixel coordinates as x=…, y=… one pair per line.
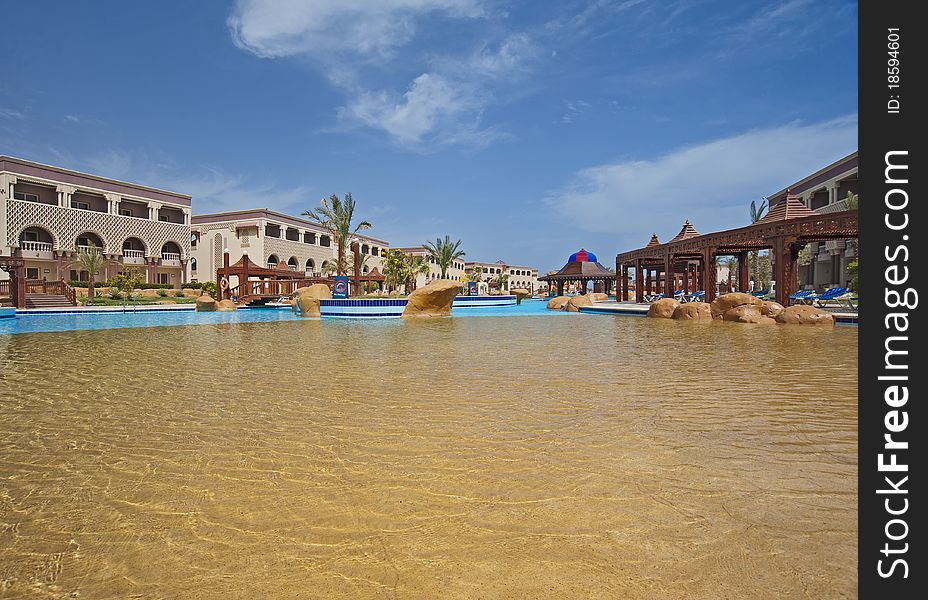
x=356, y=248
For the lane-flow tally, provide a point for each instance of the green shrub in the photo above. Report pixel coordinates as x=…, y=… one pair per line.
x=208, y=287
x=178, y=293
x=163, y=293
x=114, y=293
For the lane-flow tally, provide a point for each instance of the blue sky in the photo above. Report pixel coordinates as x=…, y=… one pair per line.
x=527, y=129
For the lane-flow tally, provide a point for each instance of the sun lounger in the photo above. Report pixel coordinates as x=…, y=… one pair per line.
x=801, y=296
x=850, y=302
x=831, y=294
x=694, y=297
x=760, y=293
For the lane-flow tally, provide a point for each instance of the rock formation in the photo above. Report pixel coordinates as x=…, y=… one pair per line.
x=558, y=303
x=597, y=297
x=693, y=311
x=433, y=300
x=206, y=304
x=723, y=304
x=226, y=306
x=805, y=315
x=575, y=302
x=663, y=308
x=305, y=300
x=520, y=293
x=771, y=309
x=744, y=313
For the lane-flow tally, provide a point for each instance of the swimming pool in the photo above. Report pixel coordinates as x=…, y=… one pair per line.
x=76, y=321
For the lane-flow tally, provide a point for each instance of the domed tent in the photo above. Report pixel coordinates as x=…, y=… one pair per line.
x=582, y=267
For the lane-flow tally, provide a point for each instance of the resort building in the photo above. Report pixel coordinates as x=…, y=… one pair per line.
x=49, y=214
x=271, y=239
x=455, y=271
x=518, y=276
x=824, y=264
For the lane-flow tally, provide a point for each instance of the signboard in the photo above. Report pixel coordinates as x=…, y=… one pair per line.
x=471, y=288
x=340, y=287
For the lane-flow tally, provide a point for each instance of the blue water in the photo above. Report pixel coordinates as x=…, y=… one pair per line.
x=31, y=323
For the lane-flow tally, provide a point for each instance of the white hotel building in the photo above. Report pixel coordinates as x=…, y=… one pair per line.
x=454, y=272
x=48, y=214
x=519, y=276
x=270, y=238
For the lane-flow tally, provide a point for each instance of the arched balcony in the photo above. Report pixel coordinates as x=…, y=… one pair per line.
x=133, y=251
x=170, y=255
x=36, y=239
x=88, y=240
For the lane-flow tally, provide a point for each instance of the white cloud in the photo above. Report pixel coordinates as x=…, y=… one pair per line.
x=433, y=109
x=11, y=114
x=710, y=184
x=213, y=189
x=321, y=28
x=572, y=110
x=346, y=39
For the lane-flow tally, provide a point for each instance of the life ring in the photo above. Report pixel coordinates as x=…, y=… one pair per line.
x=224, y=283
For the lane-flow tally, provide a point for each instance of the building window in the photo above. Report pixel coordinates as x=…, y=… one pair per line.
x=125, y=212
x=32, y=273
x=193, y=265
x=163, y=278
x=25, y=197
x=80, y=205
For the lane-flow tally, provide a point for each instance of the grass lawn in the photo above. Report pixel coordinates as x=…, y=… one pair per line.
x=107, y=301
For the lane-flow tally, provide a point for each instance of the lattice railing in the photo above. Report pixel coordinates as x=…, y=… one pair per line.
x=66, y=224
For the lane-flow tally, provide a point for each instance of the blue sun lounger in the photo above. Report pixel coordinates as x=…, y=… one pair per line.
x=801, y=296
x=694, y=297
x=830, y=294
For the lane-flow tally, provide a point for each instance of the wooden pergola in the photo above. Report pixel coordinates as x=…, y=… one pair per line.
x=688, y=260
x=256, y=282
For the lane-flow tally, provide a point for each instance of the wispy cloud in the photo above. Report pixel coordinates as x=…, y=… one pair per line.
x=572, y=110
x=11, y=114
x=443, y=105
x=214, y=189
x=327, y=29
x=777, y=19
x=710, y=183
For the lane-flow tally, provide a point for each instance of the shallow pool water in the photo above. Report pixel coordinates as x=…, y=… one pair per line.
x=543, y=456
x=26, y=323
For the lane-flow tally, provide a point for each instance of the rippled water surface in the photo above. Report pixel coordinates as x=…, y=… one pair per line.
x=534, y=457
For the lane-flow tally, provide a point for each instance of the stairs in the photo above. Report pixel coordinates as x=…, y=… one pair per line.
x=47, y=301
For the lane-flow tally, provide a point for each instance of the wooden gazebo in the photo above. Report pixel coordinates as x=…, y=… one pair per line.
x=688, y=260
x=582, y=267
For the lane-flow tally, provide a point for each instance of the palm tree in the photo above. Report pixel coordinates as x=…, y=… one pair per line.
x=329, y=267
x=476, y=274
x=92, y=261
x=444, y=253
x=415, y=266
x=335, y=215
x=501, y=280
x=757, y=213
